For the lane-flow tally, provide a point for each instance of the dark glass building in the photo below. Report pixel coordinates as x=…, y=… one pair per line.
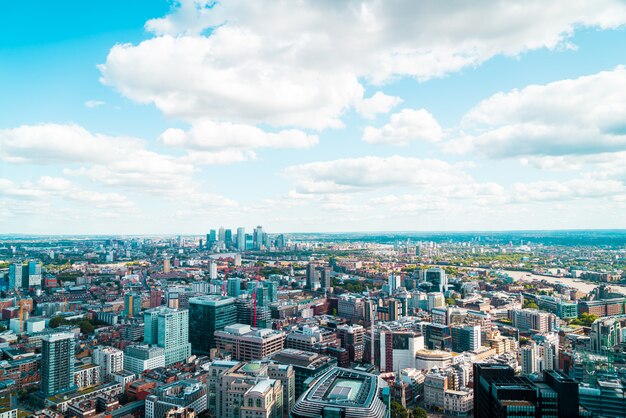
x=208, y=314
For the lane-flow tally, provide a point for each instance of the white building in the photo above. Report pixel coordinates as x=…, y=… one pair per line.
x=110, y=359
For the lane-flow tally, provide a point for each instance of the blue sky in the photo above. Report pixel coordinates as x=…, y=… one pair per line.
x=157, y=117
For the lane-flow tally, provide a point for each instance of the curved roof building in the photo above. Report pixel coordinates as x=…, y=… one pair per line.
x=342, y=393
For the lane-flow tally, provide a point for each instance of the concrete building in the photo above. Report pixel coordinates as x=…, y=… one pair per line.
x=57, y=364
x=245, y=343
x=110, y=360
x=139, y=358
x=189, y=394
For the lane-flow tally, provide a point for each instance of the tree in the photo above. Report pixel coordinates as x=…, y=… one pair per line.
x=57, y=321
x=398, y=411
x=450, y=301
x=86, y=327
x=419, y=413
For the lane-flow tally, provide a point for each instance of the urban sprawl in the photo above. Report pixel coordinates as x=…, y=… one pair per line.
x=258, y=325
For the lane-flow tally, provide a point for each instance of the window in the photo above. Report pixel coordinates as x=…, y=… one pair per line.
x=250, y=402
x=258, y=403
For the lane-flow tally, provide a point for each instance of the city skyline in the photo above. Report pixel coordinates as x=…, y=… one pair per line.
x=169, y=118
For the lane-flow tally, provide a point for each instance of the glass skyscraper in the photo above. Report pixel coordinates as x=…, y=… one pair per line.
x=169, y=329
x=208, y=314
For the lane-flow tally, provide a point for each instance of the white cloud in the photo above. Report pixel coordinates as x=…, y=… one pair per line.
x=112, y=160
x=300, y=63
x=94, y=103
x=371, y=173
x=569, y=117
x=209, y=136
x=404, y=127
x=47, y=187
x=551, y=190
x=378, y=103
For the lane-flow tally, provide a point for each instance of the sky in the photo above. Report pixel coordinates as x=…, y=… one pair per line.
x=160, y=117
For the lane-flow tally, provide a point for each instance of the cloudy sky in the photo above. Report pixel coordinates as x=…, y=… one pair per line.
x=156, y=117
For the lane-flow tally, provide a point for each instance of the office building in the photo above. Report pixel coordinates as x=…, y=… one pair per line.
x=306, y=366
x=233, y=287
x=465, y=338
x=169, y=329
x=398, y=349
x=139, y=358
x=533, y=320
x=341, y=393
x=259, y=238
x=499, y=393
x=437, y=278
x=57, y=363
x=208, y=314
x=228, y=237
x=245, y=343
x=15, y=276
x=352, y=338
x=187, y=394
x=241, y=238
x=132, y=305
x=312, y=277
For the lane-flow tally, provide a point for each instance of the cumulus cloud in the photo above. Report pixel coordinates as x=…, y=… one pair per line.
x=112, y=160
x=574, y=117
x=47, y=187
x=303, y=64
x=378, y=103
x=370, y=173
x=210, y=136
x=404, y=127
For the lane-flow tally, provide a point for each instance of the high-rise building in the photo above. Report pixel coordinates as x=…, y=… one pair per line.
x=110, y=360
x=393, y=283
x=529, y=360
x=212, y=237
x=57, y=363
x=156, y=298
x=499, y=393
x=228, y=237
x=212, y=270
x=132, y=304
x=465, y=338
x=241, y=238
x=437, y=277
x=258, y=238
x=325, y=278
x=221, y=234
x=208, y=314
x=167, y=265
x=306, y=365
x=312, y=277
x=352, y=338
x=169, y=329
x=233, y=287
x=15, y=276
x=33, y=276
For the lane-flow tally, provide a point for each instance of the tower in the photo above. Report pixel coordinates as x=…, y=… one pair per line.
x=57, y=363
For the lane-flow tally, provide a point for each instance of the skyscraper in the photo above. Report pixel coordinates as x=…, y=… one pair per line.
x=15, y=276
x=233, y=287
x=241, y=238
x=228, y=237
x=208, y=314
x=132, y=304
x=212, y=237
x=169, y=329
x=57, y=363
x=221, y=234
x=312, y=277
x=258, y=237
x=33, y=276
